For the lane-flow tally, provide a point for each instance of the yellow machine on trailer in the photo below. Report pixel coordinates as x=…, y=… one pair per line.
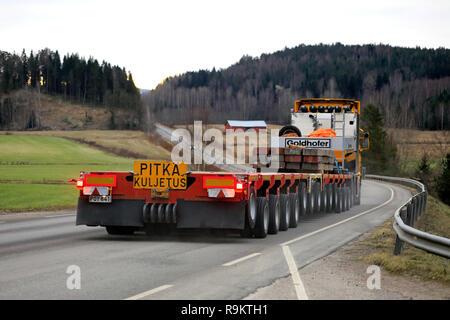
x=338, y=124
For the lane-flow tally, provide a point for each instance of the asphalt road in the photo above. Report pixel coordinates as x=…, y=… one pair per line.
x=35, y=254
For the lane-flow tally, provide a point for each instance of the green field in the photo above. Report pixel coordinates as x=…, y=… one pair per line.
x=34, y=170
x=26, y=197
x=118, y=142
x=54, y=150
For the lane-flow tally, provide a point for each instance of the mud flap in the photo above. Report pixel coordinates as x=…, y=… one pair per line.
x=127, y=213
x=209, y=214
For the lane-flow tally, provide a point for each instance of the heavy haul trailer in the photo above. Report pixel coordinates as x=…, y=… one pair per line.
x=256, y=204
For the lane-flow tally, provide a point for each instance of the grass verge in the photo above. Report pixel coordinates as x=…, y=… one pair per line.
x=378, y=247
x=30, y=197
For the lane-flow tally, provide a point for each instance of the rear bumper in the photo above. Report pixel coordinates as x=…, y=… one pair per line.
x=118, y=213
x=190, y=214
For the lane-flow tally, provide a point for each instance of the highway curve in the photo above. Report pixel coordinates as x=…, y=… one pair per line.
x=35, y=254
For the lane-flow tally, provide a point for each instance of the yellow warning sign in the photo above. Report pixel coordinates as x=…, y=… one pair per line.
x=159, y=175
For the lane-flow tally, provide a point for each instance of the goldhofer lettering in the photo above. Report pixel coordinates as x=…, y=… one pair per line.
x=309, y=143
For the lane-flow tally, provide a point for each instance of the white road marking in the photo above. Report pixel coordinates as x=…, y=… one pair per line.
x=149, y=292
x=241, y=259
x=298, y=284
x=60, y=215
x=340, y=222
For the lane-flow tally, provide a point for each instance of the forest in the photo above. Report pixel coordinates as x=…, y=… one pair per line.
x=73, y=78
x=410, y=86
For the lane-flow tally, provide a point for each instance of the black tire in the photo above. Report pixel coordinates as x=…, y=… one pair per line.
x=347, y=198
x=168, y=213
x=323, y=199
x=285, y=212
x=274, y=214
x=174, y=213
x=146, y=212
x=290, y=129
x=246, y=232
x=352, y=195
x=317, y=197
x=342, y=198
x=154, y=213
x=162, y=213
x=303, y=197
x=262, y=218
x=310, y=201
x=120, y=230
x=333, y=197
x=295, y=210
x=329, y=196
x=338, y=207
x=251, y=208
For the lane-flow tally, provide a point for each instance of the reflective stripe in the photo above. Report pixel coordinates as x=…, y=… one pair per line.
x=100, y=180
x=219, y=182
x=103, y=191
x=214, y=193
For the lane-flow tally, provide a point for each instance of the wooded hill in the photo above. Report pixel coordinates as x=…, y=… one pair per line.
x=75, y=79
x=411, y=86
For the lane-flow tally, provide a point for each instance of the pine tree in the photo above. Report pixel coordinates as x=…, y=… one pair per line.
x=423, y=170
x=380, y=158
x=443, y=181
x=34, y=70
x=25, y=73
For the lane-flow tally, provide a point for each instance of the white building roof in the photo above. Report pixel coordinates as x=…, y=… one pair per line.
x=247, y=124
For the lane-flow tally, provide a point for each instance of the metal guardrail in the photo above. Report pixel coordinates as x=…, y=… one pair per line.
x=407, y=215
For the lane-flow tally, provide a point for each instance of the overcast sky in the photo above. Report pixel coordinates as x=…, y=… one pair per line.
x=157, y=39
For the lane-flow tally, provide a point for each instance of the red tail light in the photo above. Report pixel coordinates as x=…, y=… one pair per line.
x=78, y=183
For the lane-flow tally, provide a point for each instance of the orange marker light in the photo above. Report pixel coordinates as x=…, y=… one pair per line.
x=214, y=182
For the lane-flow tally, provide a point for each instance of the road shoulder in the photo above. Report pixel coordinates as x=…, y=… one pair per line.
x=343, y=275
x=26, y=215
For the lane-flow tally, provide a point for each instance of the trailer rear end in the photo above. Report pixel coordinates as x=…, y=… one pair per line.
x=254, y=204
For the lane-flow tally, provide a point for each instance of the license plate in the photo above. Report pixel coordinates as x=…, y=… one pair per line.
x=100, y=199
